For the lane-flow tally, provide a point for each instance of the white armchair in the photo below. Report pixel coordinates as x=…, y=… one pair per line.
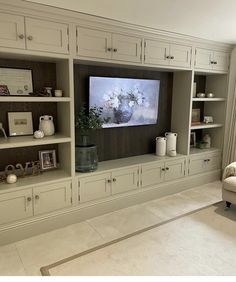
x=229, y=185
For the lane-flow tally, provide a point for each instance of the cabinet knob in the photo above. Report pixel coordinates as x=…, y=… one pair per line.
x=167, y=57
x=109, y=181
x=37, y=197
x=109, y=49
x=172, y=57
x=29, y=199
x=163, y=169
x=30, y=38
x=114, y=179
x=167, y=168
x=115, y=50
x=215, y=63
x=21, y=36
x=212, y=62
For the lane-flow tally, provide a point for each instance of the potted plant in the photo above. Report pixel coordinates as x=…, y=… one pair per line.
x=86, y=154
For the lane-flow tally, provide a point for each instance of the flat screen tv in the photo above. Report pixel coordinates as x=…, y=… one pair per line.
x=125, y=102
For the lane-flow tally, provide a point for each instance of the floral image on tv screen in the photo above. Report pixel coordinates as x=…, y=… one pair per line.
x=124, y=101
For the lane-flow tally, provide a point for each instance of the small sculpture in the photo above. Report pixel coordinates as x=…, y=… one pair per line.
x=39, y=134
x=11, y=179
x=3, y=130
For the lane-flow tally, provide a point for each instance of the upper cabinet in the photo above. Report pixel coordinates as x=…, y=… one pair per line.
x=12, y=31
x=211, y=60
x=111, y=46
x=166, y=54
x=33, y=34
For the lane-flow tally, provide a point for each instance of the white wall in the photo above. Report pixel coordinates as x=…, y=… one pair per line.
x=209, y=19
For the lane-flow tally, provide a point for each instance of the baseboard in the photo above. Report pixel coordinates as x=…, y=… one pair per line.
x=35, y=226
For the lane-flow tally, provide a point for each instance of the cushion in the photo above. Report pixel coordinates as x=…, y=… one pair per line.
x=230, y=184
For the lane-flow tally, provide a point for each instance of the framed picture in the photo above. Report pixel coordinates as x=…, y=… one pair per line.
x=196, y=116
x=20, y=123
x=18, y=81
x=193, y=139
x=47, y=159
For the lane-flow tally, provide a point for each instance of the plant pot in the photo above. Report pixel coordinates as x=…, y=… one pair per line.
x=86, y=158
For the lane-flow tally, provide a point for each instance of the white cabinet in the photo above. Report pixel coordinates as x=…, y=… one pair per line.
x=164, y=53
x=211, y=60
x=52, y=197
x=175, y=169
x=204, y=163
x=15, y=206
x=47, y=36
x=124, y=180
x=95, y=187
x=12, y=31
x=100, y=44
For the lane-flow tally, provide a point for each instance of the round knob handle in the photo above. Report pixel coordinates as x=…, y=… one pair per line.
x=37, y=197
x=172, y=57
x=30, y=38
x=29, y=199
x=21, y=36
x=167, y=168
x=114, y=179
x=109, y=181
x=163, y=169
x=109, y=49
x=115, y=50
x=212, y=62
x=215, y=63
x=167, y=57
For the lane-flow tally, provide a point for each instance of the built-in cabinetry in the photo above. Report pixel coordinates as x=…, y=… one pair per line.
x=33, y=34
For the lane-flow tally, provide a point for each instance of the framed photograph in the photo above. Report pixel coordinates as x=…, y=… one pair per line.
x=18, y=81
x=20, y=123
x=48, y=159
x=193, y=139
x=196, y=116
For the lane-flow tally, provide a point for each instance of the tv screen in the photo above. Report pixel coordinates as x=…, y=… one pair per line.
x=125, y=101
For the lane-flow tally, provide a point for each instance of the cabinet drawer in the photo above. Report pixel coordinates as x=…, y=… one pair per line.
x=124, y=180
x=94, y=187
x=15, y=206
x=52, y=197
x=174, y=169
x=152, y=174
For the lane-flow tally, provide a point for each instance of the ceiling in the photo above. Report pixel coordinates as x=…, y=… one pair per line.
x=209, y=19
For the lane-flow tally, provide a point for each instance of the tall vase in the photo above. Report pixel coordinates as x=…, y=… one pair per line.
x=124, y=112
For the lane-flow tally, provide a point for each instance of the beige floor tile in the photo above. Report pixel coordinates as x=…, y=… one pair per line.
x=47, y=248
x=123, y=222
x=10, y=262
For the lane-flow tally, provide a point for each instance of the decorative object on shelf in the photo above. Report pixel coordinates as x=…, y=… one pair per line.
x=172, y=153
x=196, y=116
x=193, y=139
x=207, y=140
x=39, y=134
x=18, y=81
x=201, y=95
x=210, y=95
x=48, y=159
x=11, y=179
x=46, y=125
x=86, y=153
x=161, y=146
x=4, y=91
x=194, y=90
x=171, y=142
x=48, y=90
x=58, y=93
x=208, y=119
x=3, y=131
x=20, y=123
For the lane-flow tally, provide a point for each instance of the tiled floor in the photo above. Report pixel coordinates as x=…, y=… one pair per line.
x=28, y=256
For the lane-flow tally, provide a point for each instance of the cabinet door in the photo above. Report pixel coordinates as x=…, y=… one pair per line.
x=221, y=60
x=94, y=43
x=126, y=48
x=125, y=180
x=46, y=36
x=180, y=55
x=174, y=169
x=197, y=164
x=52, y=197
x=12, y=31
x=95, y=187
x=213, y=161
x=156, y=52
x=15, y=206
x=204, y=59
x=152, y=174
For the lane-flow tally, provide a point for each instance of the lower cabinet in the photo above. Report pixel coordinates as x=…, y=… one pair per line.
x=19, y=205
x=175, y=169
x=204, y=163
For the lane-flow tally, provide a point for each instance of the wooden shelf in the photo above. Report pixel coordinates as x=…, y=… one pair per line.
x=208, y=99
x=205, y=126
x=194, y=151
x=10, y=99
x=32, y=181
x=25, y=141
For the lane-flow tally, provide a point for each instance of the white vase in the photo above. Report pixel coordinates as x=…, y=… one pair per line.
x=161, y=146
x=46, y=125
x=207, y=140
x=171, y=142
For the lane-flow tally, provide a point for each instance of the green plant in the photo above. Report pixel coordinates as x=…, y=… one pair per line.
x=89, y=120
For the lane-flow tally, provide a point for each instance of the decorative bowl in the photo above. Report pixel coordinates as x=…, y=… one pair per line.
x=201, y=95
x=210, y=95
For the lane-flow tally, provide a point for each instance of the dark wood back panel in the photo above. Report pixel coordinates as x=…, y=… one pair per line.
x=124, y=142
